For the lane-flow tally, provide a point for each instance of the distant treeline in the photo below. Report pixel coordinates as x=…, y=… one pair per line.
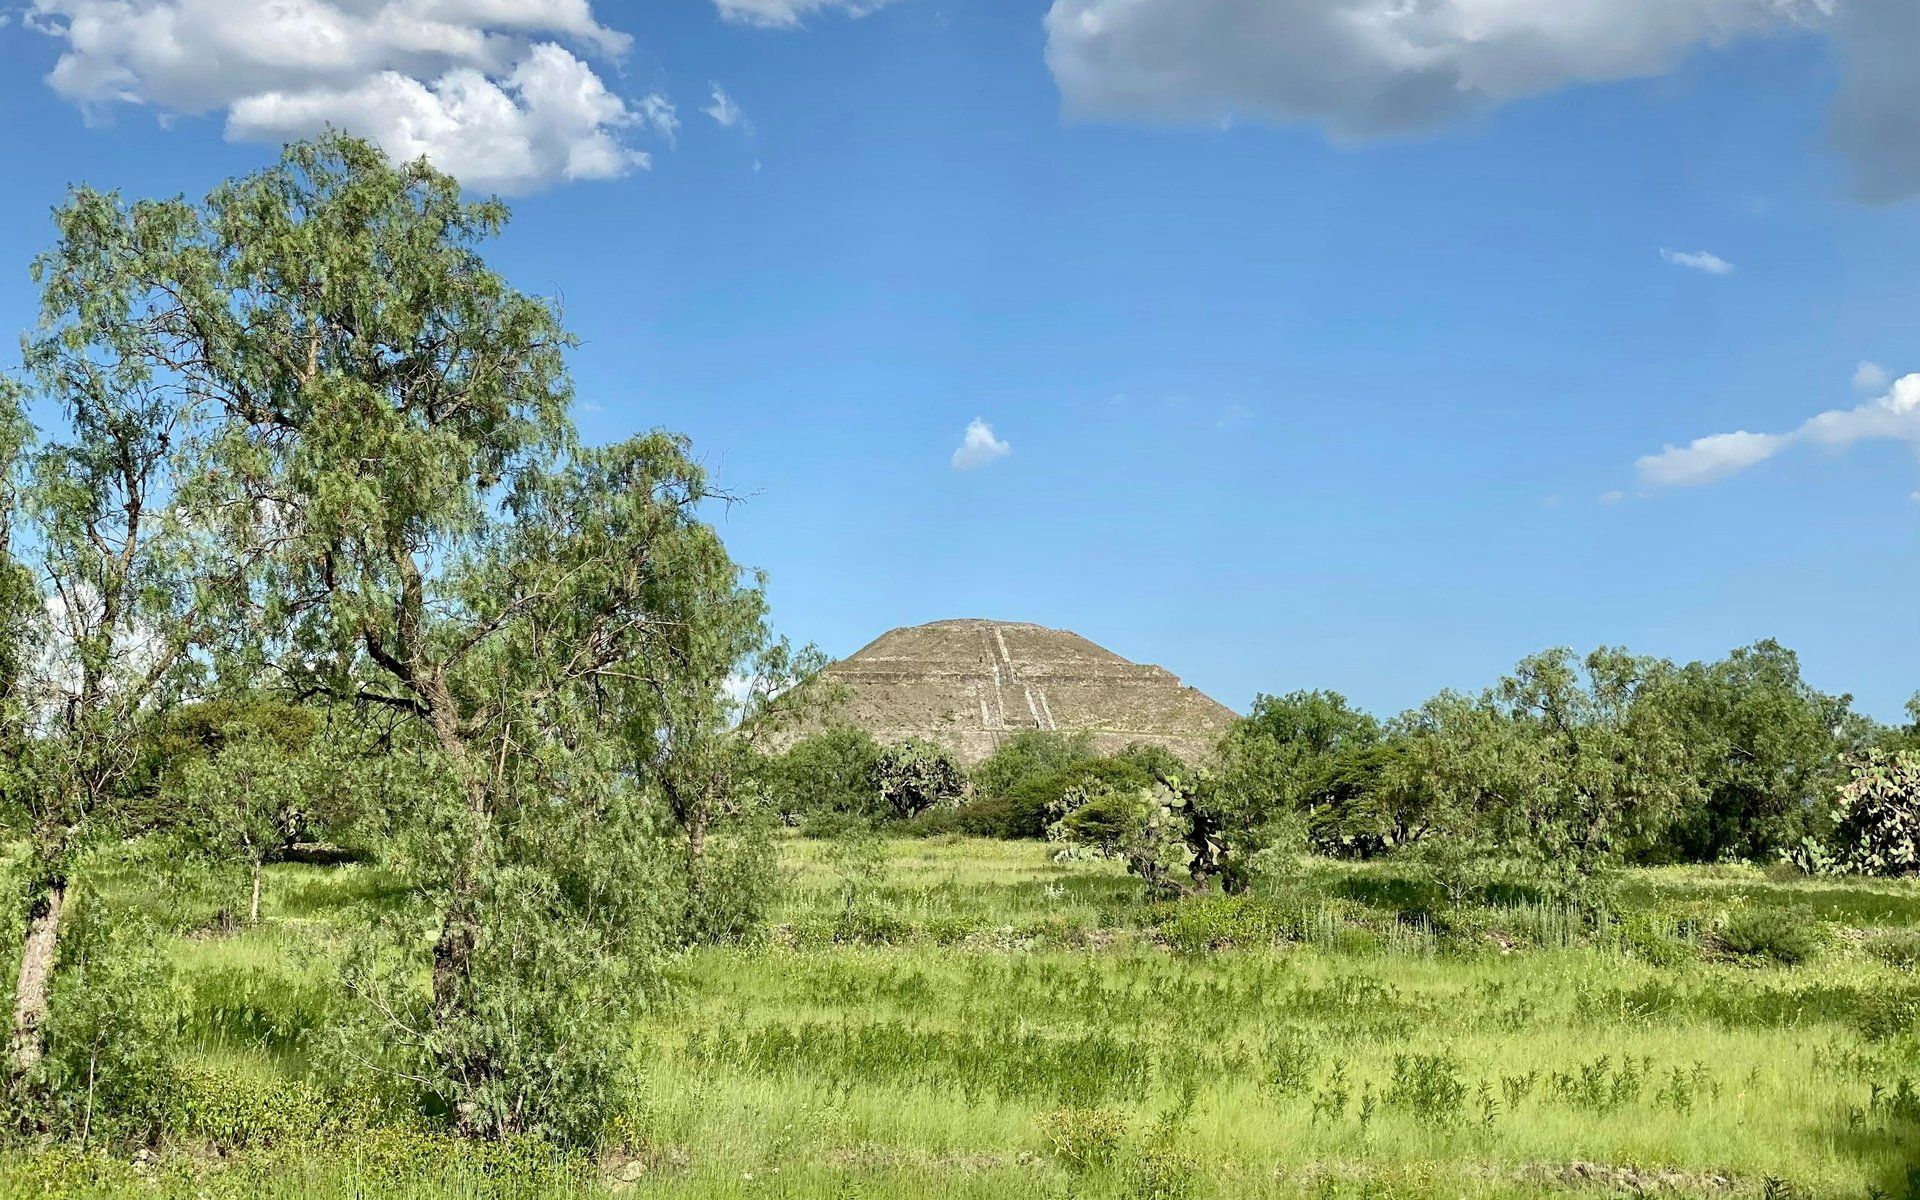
x=1579, y=763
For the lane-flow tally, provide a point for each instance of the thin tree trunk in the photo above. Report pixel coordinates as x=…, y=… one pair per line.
x=37, y=950
x=697, y=836
x=460, y=925
x=253, y=914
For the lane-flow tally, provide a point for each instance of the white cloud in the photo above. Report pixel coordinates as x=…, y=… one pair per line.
x=487, y=89
x=1365, y=68
x=1612, y=497
x=1698, y=260
x=657, y=113
x=790, y=14
x=1893, y=417
x=979, y=447
x=724, y=110
x=1870, y=377
x=1706, y=459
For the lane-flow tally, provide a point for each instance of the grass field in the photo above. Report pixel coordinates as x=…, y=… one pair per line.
x=982, y=1021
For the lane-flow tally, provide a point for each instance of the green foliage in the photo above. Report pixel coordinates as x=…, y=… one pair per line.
x=1768, y=935
x=1026, y=807
x=1159, y=832
x=248, y=801
x=828, y=772
x=1026, y=755
x=1278, y=761
x=109, y=1071
x=1558, y=772
x=1370, y=801
x=1765, y=746
x=1876, y=818
x=915, y=777
x=545, y=627
x=732, y=886
x=1084, y=1139
x=1898, y=948
x=197, y=732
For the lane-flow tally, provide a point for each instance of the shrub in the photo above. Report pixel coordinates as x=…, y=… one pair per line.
x=1652, y=938
x=731, y=888
x=830, y=772
x=1084, y=1139
x=1428, y=1086
x=1203, y=923
x=1758, y=935
x=916, y=776
x=1876, y=829
x=108, y=1074
x=1028, y=755
x=229, y=1110
x=1162, y=1172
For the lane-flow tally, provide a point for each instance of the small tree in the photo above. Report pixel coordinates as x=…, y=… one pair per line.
x=99, y=647
x=1147, y=829
x=247, y=803
x=1193, y=826
x=1027, y=755
x=916, y=776
x=1558, y=771
x=1764, y=745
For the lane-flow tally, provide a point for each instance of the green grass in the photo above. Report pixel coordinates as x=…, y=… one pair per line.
x=1333, y=1035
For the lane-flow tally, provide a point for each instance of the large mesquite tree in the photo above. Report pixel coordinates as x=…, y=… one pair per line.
x=392, y=439
x=1560, y=770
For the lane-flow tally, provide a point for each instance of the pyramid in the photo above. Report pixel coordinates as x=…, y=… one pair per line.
x=969, y=685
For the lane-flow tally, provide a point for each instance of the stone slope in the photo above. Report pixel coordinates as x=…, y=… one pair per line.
x=970, y=684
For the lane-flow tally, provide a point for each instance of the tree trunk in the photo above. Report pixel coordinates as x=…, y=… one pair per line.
x=697, y=836
x=460, y=924
x=253, y=913
x=37, y=950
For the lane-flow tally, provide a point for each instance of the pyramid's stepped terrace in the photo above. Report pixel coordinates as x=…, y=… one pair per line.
x=971, y=684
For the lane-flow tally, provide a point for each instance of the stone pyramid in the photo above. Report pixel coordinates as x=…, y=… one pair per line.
x=970, y=684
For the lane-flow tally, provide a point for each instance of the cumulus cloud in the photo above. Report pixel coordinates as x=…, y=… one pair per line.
x=493, y=91
x=1365, y=68
x=979, y=447
x=791, y=14
x=1698, y=260
x=1893, y=417
x=1870, y=377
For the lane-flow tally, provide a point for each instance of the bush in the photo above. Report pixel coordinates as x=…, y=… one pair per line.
x=1876, y=829
x=916, y=776
x=830, y=772
x=1029, y=755
x=1758, y=935
x=109, y=1074
x=230, y=1111
x=1201, y=923
x=732, y=887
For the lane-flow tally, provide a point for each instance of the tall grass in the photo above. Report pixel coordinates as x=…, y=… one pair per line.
x=1336, y=1033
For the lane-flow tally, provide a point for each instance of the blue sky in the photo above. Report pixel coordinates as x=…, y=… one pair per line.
x=1320, y=360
